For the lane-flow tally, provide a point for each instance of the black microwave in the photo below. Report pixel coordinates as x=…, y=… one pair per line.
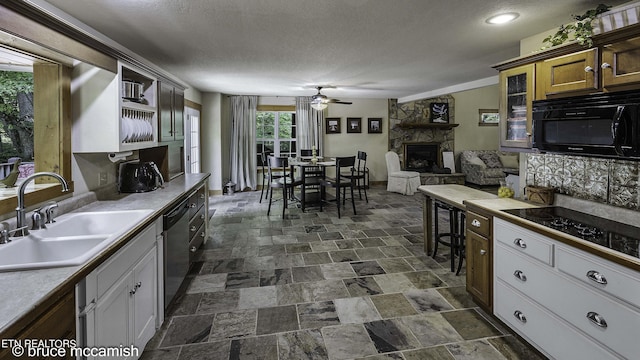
x=604, y=125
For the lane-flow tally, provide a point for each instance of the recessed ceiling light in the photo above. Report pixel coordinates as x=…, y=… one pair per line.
x=502, y=18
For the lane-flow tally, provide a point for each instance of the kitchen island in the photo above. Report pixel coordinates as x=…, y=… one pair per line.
x=27, y=294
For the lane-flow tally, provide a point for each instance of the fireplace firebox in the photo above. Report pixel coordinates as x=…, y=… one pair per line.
x=421, y=156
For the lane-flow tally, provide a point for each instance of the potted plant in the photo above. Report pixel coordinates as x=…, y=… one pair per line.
x=582, y=28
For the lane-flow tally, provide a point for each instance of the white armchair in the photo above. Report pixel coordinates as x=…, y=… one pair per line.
x=403, y=182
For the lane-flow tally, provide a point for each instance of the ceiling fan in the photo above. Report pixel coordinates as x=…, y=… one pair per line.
x=320, y=101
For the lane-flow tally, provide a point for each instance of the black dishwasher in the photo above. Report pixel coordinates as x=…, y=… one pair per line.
x=176, y=249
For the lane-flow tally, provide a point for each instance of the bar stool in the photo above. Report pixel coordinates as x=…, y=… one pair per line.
x=456, y=237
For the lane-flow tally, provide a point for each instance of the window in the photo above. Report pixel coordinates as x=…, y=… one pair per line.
x=51, y=123
x=276, y=132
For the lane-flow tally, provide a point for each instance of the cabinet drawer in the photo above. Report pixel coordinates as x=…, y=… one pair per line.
x=600, y=274
x=196, y=222
x=524, y=241
x=574, y=303
x=479, y=224
x=543, y=329
x=196, y=241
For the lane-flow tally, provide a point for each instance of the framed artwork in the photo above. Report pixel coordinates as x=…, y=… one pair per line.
x=439, y=113
x=354, y=125
x=375, y=126
x=489, y=117
x=333, y=125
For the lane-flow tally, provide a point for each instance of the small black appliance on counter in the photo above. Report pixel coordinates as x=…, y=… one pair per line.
x=138, y=176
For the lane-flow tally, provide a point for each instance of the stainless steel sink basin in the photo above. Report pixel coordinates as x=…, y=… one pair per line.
x=72, y=240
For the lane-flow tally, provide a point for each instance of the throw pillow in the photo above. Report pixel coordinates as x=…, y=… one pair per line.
x=491, y=159
x=477, y=161
x=509, y=161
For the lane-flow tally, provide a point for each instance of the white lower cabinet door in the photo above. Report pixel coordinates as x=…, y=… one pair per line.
x=549, y=334
x=112, y=316
x=145, y=299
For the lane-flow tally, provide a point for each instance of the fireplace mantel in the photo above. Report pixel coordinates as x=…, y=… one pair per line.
x=414, y=125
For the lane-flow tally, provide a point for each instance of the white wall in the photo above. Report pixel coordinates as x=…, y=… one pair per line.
x=469, y=135
x=211, y=135
x=346, y=144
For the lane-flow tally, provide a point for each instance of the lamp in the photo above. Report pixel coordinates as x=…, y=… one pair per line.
x=319, y=105
x=502, y=18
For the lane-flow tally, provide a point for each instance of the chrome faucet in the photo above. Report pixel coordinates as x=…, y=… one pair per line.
x=20, y=216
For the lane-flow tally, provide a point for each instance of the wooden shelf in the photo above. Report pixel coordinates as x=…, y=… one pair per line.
x=426, y=126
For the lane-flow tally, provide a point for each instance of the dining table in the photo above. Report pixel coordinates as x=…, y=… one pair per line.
x=311, y=174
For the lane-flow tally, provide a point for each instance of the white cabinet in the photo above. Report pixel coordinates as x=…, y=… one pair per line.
x=120, y=299
x=568, y=290
x=105, y=119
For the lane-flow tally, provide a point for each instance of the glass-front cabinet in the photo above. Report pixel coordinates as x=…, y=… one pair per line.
x=516, y=96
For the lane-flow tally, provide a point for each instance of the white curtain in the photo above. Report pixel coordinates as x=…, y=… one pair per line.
x=308, y=124
x=243, y=142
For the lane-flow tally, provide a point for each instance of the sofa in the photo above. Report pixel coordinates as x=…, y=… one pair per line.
x=487, y=167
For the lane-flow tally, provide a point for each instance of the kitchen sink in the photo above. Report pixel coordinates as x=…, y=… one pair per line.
x=72, y=240
x=92, y=223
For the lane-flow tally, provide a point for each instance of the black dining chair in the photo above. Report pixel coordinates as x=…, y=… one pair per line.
x=266, y=176
x=287, y=182
x=340, y=182
x=359, y=174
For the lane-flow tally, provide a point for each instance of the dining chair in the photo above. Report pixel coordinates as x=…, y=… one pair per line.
x=398, y=180
x=266, y=176
x=359, y=174
x=287, y=182
x=340, y=182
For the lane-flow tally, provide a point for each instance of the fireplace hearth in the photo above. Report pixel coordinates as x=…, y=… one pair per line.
x=421, y=156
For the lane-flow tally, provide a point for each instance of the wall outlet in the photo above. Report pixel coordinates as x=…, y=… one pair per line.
x=102, y=178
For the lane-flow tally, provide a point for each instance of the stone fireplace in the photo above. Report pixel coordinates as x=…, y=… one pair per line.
x=421, y=156
x=410, y=128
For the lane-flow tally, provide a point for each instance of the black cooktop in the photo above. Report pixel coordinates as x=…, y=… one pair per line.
x=608, y=233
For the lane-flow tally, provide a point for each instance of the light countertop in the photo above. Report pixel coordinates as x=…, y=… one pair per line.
x=22, y=291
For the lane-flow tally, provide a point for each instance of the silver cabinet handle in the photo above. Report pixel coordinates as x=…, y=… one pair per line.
x=520, y=275
x=520, y=316
x=475, y=223
x=192, y=205
x=202, y=234
x=202, y=217
x=193, y=249
x=193, y=228
x=597, y=319
x=201, y=196
x=138, y=285
x=605, y=65
x=483, y=251
x=596, y=277
x=588, y=69
x=519, y=242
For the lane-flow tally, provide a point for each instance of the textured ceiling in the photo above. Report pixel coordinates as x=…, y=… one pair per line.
x=366, y=48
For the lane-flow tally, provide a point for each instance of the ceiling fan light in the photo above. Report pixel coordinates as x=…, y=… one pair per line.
x=319, y=105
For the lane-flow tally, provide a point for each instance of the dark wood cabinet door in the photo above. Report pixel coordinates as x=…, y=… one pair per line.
x=478, y=257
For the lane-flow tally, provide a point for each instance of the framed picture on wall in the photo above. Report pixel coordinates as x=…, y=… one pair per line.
x=354, y=125
x=489, y=117
x=439, y=113
x=333, y=125
x=375, y=125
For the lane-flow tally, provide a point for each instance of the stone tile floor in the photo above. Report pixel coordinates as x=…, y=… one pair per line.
x=313, y=286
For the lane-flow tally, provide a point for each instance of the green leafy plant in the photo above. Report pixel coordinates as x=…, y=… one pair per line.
x=582, y=29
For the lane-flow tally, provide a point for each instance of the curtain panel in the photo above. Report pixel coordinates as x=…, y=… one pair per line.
x=243, y=142
x=308, y=124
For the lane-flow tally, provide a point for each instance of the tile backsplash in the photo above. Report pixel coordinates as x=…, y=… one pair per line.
x=614, y=182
